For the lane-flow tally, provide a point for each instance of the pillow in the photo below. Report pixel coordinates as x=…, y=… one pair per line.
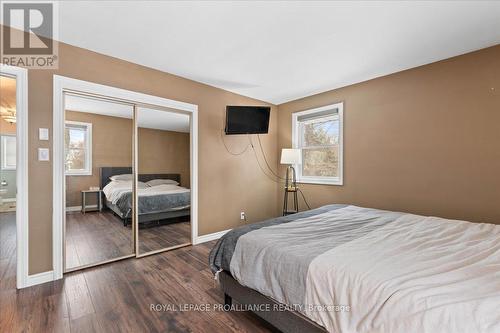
x=129, y=177
x=156, y=182
x=127, y=183
x=166, y=187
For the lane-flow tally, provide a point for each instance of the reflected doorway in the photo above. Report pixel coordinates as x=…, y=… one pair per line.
x=8, y=181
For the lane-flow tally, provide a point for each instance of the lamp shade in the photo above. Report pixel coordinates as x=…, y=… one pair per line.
x=291, y=156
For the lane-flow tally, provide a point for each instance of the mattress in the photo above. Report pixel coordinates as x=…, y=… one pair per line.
x=354, y=269
x=155, y=199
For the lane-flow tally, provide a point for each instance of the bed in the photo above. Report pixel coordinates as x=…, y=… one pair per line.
x=342, y=268
x=155, y=204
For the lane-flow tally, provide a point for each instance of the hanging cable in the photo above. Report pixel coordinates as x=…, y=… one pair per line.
x=265, y=159
x=227, y=148
x=280, y=179
x=303, y=197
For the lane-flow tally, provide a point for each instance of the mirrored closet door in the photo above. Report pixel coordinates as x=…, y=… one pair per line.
x=163, y=187
x=98, y=142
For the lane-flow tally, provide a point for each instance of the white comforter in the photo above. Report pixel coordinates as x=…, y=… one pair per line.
x=417, y=274
x=114, y=190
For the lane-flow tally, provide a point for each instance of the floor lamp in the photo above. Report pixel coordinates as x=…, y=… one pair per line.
x=290, y=157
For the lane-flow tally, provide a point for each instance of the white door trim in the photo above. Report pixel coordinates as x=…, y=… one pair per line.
x=21, y=76
x=62, y=84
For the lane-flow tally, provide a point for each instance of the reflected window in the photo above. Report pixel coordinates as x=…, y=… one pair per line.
x=78, y=148
x=8, y=152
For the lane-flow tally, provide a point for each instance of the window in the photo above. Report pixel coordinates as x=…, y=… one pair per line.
x=8, y=152
x=78, y=148
x=318, y=134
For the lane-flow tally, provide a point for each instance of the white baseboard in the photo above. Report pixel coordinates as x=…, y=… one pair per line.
x=39, y=278
x=211, y=237
x=79, y=208
x=49, y=276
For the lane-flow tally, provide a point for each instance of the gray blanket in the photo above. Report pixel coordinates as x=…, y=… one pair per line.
x=154, y=203
x=221, y=254
x=275, y=260
x=287, y=245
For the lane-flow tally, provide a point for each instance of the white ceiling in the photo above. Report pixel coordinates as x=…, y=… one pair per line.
x=280, y=51
x=163, y=120
x=146, y=118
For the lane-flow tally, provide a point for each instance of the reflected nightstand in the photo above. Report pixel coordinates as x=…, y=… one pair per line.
x=98, y=194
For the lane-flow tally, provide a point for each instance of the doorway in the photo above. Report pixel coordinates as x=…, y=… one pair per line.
x=13, y=178
x=120, y=195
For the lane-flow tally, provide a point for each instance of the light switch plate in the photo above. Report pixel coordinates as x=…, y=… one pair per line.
x=43, y=154
x=43, y=134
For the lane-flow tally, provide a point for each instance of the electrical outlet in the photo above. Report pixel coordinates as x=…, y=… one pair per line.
x=243, y=216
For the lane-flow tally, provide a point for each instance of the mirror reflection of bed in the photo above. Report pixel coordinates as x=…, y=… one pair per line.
x=99, y=181
x=163, y=163
x=164, y=206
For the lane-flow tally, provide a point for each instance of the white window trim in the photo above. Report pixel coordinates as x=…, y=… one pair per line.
x=295, y=143
x=4, y=166
x=88, y=148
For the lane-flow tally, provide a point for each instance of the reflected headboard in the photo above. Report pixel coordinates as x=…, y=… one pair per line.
x=106, y=172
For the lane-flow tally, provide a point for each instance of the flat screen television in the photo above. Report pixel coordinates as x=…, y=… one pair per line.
x=247, y=119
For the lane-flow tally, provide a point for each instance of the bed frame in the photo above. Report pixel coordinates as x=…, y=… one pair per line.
x=106, y=172
x=285, y=320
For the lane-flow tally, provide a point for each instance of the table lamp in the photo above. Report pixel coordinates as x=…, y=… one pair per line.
x=290, y=157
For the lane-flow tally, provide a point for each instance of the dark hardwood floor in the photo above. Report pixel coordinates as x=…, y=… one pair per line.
x=7, y=253
x=157, y=237
x=95, y=237
x=117, y=297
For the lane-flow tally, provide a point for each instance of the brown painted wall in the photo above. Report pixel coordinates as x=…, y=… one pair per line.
x=227, y=183
x=426, y=140
x=164, y=152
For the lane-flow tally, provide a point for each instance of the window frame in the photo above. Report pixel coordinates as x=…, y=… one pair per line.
x=4, y=165
x=88, y=148
x=296, y=143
